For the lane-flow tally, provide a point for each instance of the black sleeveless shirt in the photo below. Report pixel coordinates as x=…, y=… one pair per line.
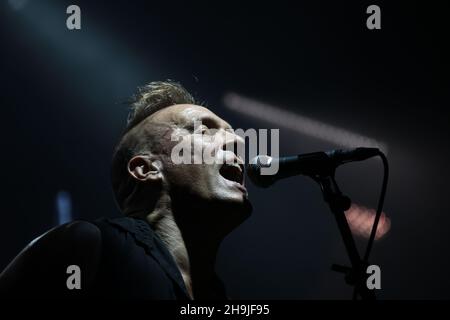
x=132, y=263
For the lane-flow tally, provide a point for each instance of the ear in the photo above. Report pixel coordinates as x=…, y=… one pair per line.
x=145, y=168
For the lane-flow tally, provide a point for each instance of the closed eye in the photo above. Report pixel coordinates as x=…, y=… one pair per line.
x=213, y=123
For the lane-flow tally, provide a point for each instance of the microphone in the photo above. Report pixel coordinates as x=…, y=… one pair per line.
x=265, y=171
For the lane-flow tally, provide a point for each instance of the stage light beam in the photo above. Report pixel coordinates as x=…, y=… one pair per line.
x=300, y=124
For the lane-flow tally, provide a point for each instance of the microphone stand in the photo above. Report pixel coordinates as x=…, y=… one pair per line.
x=321, y=167
x=355, y=275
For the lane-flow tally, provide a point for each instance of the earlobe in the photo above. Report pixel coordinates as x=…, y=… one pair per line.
x=143, y=168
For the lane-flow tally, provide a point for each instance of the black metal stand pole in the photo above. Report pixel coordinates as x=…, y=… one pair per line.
x=356, y=275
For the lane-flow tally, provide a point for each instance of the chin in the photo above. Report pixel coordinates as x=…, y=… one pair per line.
x=238, y=209
x=226, y=215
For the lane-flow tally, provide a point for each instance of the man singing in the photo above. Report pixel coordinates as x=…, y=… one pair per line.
x=175, y=214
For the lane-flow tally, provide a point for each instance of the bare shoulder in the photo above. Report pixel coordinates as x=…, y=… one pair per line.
x=77, y=231
x=76, y=235
x=47, y=257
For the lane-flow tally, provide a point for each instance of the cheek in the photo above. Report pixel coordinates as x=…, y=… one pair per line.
x=192, y=176
x=209, y=148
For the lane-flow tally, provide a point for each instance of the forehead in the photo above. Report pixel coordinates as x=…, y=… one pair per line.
x=186, y=114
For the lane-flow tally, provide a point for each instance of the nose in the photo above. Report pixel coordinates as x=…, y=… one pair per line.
x=234, y=143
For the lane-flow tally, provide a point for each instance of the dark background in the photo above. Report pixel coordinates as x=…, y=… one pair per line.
x=62, y=111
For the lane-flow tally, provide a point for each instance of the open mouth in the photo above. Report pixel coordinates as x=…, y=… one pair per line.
x=233, y=172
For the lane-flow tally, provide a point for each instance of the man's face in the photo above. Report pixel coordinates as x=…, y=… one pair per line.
x=218, y=183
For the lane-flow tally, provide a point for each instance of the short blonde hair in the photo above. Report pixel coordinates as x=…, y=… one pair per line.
x=155, y=96
x=149, y=99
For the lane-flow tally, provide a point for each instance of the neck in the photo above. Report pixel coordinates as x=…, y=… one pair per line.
x=202, y=249
x=194, y=251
